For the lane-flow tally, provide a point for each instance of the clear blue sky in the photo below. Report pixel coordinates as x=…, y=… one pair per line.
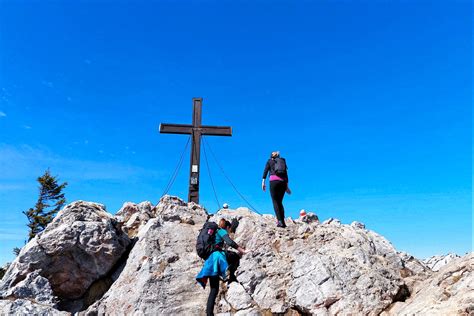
x=369, y=101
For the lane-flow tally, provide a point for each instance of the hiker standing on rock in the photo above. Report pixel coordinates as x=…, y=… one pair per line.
x=220, y=263
x=277, y=168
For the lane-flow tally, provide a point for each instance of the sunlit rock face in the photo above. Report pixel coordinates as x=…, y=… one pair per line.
x=143, y=261
x=80, y=246
x=437, y=262
x=448, y=291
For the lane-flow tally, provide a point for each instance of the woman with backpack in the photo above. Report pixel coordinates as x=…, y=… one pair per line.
x=220, y=263
x=277, y=168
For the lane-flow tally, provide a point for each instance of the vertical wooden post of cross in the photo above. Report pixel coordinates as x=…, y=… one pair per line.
x=196, y=130
x=193, y=192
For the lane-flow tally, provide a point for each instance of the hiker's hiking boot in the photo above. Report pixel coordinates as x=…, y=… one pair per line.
x=227, y=276
x=231, y=279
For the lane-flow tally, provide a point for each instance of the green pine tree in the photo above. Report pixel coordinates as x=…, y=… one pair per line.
x=50, y=200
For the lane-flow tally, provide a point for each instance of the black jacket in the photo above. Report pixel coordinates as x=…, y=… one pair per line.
x=270, y=168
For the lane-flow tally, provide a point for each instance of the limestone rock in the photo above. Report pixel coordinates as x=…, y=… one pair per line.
x=34, y=287
x=332, y=221
x=173, y=209
x=306, y=268
x=134, y=216
x=237, y=297
x=78, y=247
x=27, y=307
x=437, y=262
x=414, y=271
x=448, y=292
x=159, y=277
x=249, y=312
x=358, y=225
x=414, y=265
x=329, y=268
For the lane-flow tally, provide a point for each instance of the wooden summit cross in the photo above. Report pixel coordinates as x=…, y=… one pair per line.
x=196, y=130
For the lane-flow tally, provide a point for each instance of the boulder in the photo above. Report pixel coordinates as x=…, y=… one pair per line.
x=437, y=262
x=237, y=297
x=331, y=268
x=447, y=292
x=358, y=225
x=79, y=246
x=27, y=307
x=159, y=277
x=35, y=288
x=306, y=268
x=133, y=216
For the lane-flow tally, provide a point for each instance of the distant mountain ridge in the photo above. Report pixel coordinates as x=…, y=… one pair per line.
x=143, y=260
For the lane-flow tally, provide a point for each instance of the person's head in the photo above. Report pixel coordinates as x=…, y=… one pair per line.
x=224, y=224
x=275, y=154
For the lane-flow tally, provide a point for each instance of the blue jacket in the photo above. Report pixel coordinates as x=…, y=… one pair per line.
x=215, y=265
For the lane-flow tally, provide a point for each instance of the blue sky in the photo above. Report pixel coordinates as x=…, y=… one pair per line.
x=370, y=102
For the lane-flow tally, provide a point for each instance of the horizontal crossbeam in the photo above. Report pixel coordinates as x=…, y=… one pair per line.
x=176, y=129
x=216, y=130
x=188, y=129
x=196, y=130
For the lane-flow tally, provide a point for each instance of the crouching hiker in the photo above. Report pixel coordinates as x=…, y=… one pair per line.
x=220, y=263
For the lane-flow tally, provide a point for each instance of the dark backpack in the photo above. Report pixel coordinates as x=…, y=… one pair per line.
x=233, y=225
x=205, y=239
x=280, y=167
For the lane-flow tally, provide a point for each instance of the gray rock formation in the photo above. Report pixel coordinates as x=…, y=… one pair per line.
x=315, y=268
x=437, y=262
x=34, y=287
x=450, y=291
x=158, y=278
x=132, y=216
x=85, y=262
x=28, y=307
x=79, y=247
x=414, y=271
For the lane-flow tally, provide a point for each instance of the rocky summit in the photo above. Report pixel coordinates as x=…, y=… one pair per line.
x=437, y=262
x=142, y=261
